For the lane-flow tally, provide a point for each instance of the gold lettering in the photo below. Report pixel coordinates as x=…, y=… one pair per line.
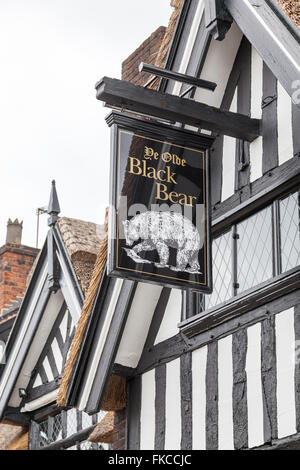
x=135, y=163
x=149, y=153
x=173, y=196
x=170, y=177
x=159, y=173
x=161, y=192
x=191, y=198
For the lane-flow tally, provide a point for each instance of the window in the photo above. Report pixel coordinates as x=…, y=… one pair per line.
x=253, y=251
x=69, y=429
x=222, y=270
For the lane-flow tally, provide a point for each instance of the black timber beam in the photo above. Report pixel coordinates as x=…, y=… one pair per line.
x=124, y=95
x=275, y=43
x=218, y=20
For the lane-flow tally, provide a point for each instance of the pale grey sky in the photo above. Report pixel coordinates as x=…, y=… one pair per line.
x=52, y=52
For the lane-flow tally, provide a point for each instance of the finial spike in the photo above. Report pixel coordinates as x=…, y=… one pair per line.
x=53, y=206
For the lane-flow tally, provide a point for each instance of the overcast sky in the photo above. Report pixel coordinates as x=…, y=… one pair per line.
x=52, y=52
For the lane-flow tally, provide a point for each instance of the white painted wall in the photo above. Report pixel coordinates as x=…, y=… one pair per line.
x=148, y=411
x=225, y=387
x=256, y=147
x=66, y=285
x=285, y=128
x=138, y=324
x=173, y=406
x=285, y=356
x=254, y=387
x=229, y=155
x=218, y=66
x=172, y=317
x=199, y=360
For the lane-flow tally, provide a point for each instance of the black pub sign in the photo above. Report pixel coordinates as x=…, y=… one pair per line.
x=159, y=218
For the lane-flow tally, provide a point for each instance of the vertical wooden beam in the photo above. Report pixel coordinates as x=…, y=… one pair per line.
x=134, y=413
x=270, y=124
x=296, y=129
x=239, y=403
x=78, y=425
x=160, y=407
x=186, y=401
x=212, y=397
x=218, y=20
x=50, y=428
x=64, y=424
x=243, y=107
x=53, y=264
x=268, y=370
x=34, y=435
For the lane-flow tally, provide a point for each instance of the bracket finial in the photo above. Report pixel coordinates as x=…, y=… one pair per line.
x=53, y=206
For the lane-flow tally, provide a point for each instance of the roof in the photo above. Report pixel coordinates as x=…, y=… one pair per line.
x=20, y=443
x=82, y=241
x=104, y=431
x=9, y=433
x=291, y=9
x=83, y=321
x=10, y=312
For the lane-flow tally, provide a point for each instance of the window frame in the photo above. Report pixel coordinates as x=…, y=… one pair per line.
x=67, y=441
x=270, y=195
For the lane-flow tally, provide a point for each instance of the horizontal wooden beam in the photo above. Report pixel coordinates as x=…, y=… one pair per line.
x=124, y=95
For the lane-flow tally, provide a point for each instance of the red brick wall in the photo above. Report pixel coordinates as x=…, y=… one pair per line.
x=119, y=439
x=15, y=264
x=147, y=52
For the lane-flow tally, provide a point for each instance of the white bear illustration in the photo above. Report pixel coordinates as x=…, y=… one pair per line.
x=161, y=231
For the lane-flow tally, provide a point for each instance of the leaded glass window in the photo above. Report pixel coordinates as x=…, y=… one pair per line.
x=254, y=250
x=222, y=270
x=64, y=425
x=264, y=245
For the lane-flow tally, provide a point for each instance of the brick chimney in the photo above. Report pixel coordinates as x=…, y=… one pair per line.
x=147, y=52
x=14, y=232
x=16, y=261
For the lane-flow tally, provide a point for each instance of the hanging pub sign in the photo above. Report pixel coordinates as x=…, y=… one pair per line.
x=159, y=222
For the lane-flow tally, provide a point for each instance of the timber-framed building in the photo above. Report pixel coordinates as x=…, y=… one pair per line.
x=176, y=369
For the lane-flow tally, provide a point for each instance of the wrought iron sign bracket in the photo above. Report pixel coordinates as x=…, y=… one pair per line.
x=178, y=77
